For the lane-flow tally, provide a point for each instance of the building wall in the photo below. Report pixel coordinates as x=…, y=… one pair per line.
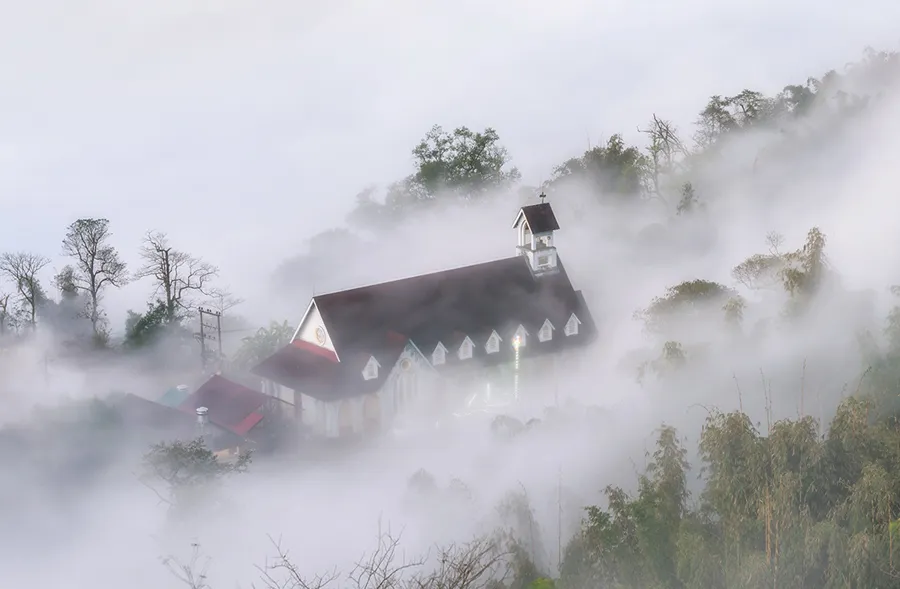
x=411, y=389
x=416, y=390
x=336, y=418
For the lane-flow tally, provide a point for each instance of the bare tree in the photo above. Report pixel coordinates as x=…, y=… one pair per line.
x=383, y=568
x=666, y=151
x=191, y=573
x=222, y=300
x=97, y=264
x=4, y=314
x=476, y=565
x=762, y=270
x=281, y=573
x=179, y=276
x=22, y=269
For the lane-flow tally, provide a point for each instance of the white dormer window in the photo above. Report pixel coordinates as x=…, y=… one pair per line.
x=439, y=356
x=371, y=369
x=465, y=349
x=572, y=325
x=493, y=343
x=520, y=338
x=546, y=332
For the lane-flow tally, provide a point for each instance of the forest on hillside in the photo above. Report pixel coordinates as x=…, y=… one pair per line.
x=786, y=502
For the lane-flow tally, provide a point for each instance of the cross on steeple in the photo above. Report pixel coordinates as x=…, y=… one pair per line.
x=542, y=196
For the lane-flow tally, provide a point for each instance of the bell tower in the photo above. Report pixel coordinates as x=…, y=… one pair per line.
x=534, y=226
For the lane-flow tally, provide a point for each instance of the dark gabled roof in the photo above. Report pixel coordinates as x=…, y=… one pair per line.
x=540, y=218
x=444, y=307
x=534, y=347
x=231, y=405
x=316, y=372
x=155, y=422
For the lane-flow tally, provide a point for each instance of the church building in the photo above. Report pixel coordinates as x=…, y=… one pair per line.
x=427, y=345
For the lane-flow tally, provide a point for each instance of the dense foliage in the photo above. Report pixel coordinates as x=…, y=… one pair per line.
x=787, y=505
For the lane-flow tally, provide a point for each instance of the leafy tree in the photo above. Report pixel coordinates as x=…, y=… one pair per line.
x=725, y=115
x=801, y=273
x=97, y=266
x=464, y=162
x=634, y=542
x=672, y=358
x=685, y=300
x=763, y=270
x=805, y=268
x=612, y=170
x=688, y=202
x=185, y=474
x=143, y=329
x=262, y=344
x=734, y=311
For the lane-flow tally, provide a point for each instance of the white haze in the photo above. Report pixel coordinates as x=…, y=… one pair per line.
x=274, y=117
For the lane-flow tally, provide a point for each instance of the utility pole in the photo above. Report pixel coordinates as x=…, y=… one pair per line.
x=206, y=333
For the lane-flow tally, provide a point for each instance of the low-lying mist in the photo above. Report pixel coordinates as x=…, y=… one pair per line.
x=77, y=514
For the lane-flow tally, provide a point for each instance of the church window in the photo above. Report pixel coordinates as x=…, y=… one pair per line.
x=439, y=356
x=546, y=332
x=371, y=369
x=572, y=325
x=493, y=343
x=465, y=349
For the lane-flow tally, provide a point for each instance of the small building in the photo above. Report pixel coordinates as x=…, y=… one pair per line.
x=147, y=422
x=240, y=410
x=363, y=357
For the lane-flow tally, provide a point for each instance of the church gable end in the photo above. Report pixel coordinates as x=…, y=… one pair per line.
x=411, y=360
x=312, y=328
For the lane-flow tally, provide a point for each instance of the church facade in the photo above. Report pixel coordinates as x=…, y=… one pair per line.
x=431, y=344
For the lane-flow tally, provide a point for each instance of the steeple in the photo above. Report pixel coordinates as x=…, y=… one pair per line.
x=535, y=225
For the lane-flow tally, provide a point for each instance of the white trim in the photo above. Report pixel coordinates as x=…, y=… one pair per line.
x=443, y=350
x=496, y=339
x=419, y=352
x=572, y=324
x=521, y=214
x=309, y=307
x=469, y=346
x=546, y=332
x=370, y=370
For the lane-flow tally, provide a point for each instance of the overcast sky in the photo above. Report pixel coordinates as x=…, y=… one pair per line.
x=242, y=128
